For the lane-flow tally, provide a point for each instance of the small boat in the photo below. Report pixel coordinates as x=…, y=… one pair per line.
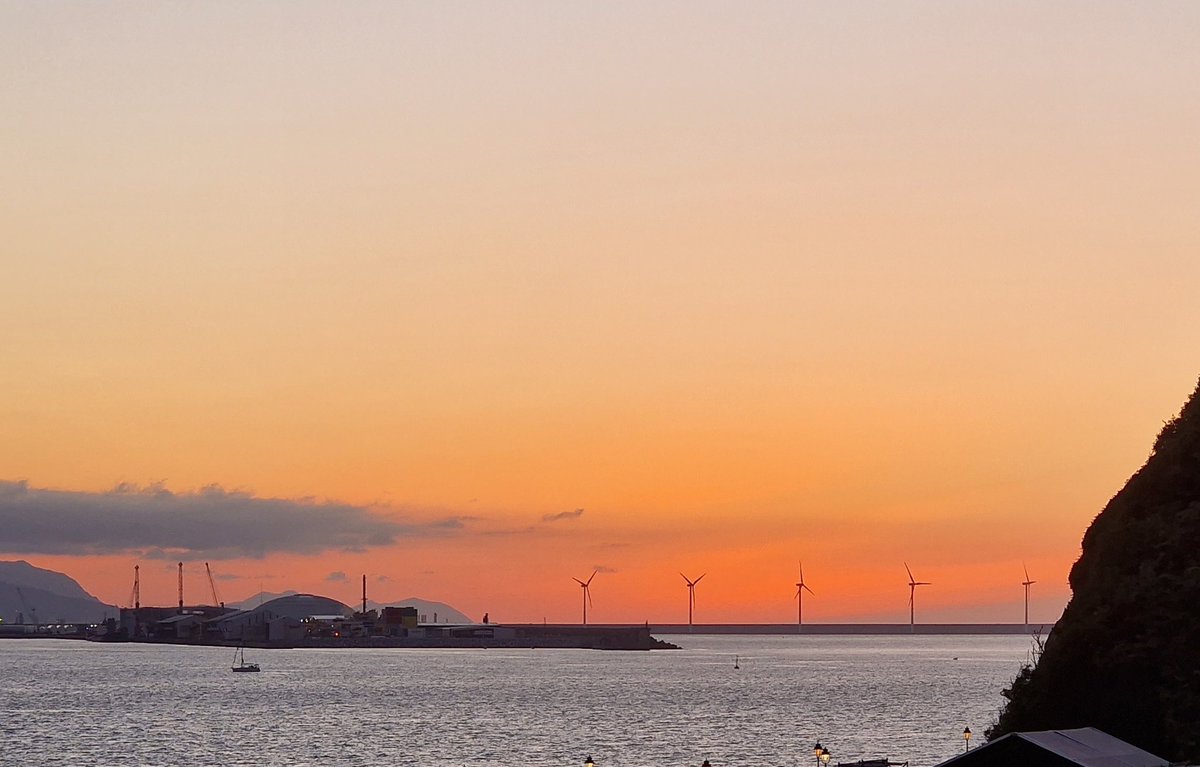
x=239, y=659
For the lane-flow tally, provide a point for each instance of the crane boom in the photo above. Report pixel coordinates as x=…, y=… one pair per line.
x=212, y=584
x=25, y=603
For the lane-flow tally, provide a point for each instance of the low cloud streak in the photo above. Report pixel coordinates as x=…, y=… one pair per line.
x=576, y=514
x=212, y=523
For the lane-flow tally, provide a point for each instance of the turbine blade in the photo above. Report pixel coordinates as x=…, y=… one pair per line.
x=581, y=583
x=802, y=572
x=589, y=595
x=810, y=591
x=685, y=578
x=910, y=575
x=1026, y=569
x=797, y=594
x=701, y=578
x=593, y=575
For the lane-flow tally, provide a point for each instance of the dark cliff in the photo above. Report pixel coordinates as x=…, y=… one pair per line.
x=1125, y=656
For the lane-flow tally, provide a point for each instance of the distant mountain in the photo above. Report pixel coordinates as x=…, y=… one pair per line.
x=25, y=575
x=428, y=608
x=33, y=594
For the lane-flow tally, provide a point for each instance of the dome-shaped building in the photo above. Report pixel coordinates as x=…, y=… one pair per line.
x=278, y=619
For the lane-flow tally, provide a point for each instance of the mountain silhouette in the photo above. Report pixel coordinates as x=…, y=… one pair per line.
x=1125, y=656
x=33, y=594
x=428, y=608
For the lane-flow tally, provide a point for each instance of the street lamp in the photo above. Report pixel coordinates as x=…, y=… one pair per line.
x=817, y=751
x=825, y=757
x=967, y=737
x=588, y=762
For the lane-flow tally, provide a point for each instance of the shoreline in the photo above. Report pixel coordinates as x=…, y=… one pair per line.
x=573, y=636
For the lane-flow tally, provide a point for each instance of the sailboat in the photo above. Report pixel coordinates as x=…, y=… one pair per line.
x=240, y=664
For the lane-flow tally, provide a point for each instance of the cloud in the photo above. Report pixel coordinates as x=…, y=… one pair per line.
x=336, y=576
x=576, y=514
x=210, y=523
x=604, y=569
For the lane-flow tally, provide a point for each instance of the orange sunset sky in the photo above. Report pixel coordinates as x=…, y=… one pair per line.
x=475, y=298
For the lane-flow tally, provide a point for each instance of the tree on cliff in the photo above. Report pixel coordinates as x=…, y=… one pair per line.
x=1125, y=656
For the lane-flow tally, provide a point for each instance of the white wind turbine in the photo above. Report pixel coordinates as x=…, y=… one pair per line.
x=691, y=586
x=587, y=593
x=801, y=587
x=1026, y=583
x=912, y=598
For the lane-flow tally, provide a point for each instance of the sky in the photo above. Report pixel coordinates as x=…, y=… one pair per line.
x=478, y=298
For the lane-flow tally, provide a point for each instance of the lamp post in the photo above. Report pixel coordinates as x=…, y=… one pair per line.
x=817, y=751
x=588, y=762
x=825, y=757
x=967, y=737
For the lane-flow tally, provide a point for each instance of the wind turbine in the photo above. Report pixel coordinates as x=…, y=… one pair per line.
x=587, y=593
x=1026, y=583
x=691, y=586
x=912, y=598
x=800, y=589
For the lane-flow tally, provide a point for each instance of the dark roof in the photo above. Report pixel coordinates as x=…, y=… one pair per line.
x=1086, y=746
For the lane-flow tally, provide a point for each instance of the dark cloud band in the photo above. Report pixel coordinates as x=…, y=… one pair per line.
x=212, y=522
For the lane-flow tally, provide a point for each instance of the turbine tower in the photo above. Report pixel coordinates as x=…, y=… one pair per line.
x=1027, y=583
x=587, y=593
x=691, y=586
x=800, y=589
x=912, y=599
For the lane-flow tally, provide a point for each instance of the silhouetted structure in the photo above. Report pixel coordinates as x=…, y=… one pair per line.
x=1084, y=747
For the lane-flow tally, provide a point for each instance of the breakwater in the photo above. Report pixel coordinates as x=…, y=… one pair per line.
x=825, y=629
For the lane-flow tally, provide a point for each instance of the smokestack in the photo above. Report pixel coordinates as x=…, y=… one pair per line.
x=364, y=593
x=180, y=585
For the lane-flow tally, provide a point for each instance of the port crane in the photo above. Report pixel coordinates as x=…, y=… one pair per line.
x=212, y=584
x=25, y=603
x=135, y=597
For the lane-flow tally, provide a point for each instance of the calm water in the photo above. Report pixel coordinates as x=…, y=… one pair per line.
x=906, y=697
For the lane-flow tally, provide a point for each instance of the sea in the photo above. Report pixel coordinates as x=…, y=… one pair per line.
x=904, y=698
